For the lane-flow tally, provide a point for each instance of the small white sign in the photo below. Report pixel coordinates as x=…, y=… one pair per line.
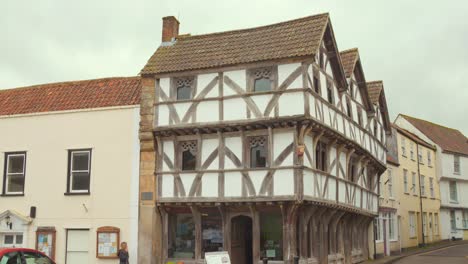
x=221, y=257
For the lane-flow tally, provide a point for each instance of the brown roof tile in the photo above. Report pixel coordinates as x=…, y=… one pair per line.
x=349, y=58
x=374, y=89
x=448, y=139
x=70, y=95
x=295, y=38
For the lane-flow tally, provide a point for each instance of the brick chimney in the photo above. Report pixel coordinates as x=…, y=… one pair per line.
x=170, y=28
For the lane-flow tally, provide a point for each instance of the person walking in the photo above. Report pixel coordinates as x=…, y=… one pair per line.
x=123, y=253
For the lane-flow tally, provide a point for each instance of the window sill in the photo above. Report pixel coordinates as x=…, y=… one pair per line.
x=453, y=202
x=456, y=173
x=11, y=195
x=76, y=193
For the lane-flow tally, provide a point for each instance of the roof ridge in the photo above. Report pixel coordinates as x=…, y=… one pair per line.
x=185, y=37
x=454, y=129
x=397, y=127
x=378, y=81
x=69, y=82
x=350, y=50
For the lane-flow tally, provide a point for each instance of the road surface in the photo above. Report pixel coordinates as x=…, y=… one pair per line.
x=451, y=255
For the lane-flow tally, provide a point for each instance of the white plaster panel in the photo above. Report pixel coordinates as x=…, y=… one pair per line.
x=285, y=70
x=342, y=192
x=357, y=201
x=207, y=111
x=331, y=158
x=257, y=177
x=163, y=115
x=167, y=185
x=208, y=146
x=235, y=145
x=181, y=109
x=309, y=146
x=239, y=77
x=326, y=115
x=354, y=110
x=343, y=162
x=339, y=120
x=232, y=184
x=312, y=105
x=203, y=80
x=235, y=109
x=358, y=95
x=187, y=180
x=329, y=69
x=210, y=185
x=165, y=85
x=281, y=140
x=286, y=108
x=283, y=182
x=309, y=184
x=323, y=84
x=331, y=189
x=308, y=71
x=168, y=148
x=262, y=101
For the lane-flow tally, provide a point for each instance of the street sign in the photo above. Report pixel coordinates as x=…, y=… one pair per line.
x=221, y=257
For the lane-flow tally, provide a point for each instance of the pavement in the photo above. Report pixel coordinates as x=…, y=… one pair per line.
x=446, y=252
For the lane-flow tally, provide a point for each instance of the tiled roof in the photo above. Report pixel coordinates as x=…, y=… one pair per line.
x=448, y=139
x=73, y=95
x=413, y=137
x=374, y=89
x=295, y=38
x=349, y=58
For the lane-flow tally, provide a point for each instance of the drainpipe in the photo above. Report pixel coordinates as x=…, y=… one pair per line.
x=420, y=197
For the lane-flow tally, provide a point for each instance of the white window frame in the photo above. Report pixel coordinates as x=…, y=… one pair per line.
x=456, y=164
x=7, y=174
x=403, y=146
x=390, y=184
x=405, y=181
x=420, y=155
x=429, y=158
x=436, y=223
x=392, y=223
x=413, y=183
x=423, y=185
x=412, y=150
x=412, y=224
x=431, y=186
x=450, y=192
x=72, y=152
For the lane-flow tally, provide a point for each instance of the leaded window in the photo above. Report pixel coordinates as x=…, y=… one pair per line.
x=258, y=151
x=321, y=156
x=262, y=79
x=184, y=88
x=330, y=92
x=188, y=150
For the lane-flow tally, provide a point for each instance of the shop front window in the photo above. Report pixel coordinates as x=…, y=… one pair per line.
x=271, y=235
x=181, y=236
x=212, y=231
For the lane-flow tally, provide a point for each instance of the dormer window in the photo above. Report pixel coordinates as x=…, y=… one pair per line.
x=258, y=152
x=261, y=80
x=188, y=151
x=184, y=88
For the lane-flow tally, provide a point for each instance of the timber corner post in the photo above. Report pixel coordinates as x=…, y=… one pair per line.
x=149, y=222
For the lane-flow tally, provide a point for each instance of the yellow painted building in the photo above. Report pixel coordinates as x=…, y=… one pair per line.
x=418, y=191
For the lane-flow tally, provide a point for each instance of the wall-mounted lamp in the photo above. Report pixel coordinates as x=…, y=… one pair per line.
x=8, y=222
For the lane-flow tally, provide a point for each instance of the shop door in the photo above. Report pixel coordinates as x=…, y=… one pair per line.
x=77, y=246
x=241, y=240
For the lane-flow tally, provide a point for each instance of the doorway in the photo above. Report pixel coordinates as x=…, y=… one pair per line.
x=241, y=240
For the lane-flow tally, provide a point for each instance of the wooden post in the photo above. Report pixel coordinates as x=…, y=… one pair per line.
x=198, y=233
x=255, y=233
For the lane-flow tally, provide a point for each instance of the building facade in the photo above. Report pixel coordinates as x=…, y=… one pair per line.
x=70, y=168
x=452, y=172
x=255, y=142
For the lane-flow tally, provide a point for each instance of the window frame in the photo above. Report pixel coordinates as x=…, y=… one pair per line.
x=423, y=185
x=248, y=150
x=192, y=83
x=413, y=182
x=431, y=187
x=403, y=146
x=405, y=181
x=412, y=150
x=412, y=224
x=323, y=147
x=272, y=76
x=429, y=158
x=5, y=191
x=180, y=154
x=390, y=184
x=450, y=192
x=456, y=164
x=330, y=93
x=70, y=171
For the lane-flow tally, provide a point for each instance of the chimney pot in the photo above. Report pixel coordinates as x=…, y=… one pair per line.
x=170, y=28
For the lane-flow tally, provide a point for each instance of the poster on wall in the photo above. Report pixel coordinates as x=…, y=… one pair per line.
x=45, y=241
x=221, y=257
x=107, y=242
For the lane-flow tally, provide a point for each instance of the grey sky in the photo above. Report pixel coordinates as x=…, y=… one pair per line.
x=418, y=48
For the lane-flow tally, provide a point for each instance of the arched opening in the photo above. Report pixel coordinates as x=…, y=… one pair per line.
x=241, y=240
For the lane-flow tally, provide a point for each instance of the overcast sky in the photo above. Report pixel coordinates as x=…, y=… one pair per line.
x=418, y=48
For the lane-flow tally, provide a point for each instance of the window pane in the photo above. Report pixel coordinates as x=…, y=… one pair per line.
x=258, y=155
x=8, y=239
x=181, y=236
x=15, y=164
x=35, y=258
x=212, y=232
x=271, y=236
x=15, y=183
x=262, y=84
x=19, y=239
x=184, y=93
x=189, y=160
x=80, y=181
x=80, y=161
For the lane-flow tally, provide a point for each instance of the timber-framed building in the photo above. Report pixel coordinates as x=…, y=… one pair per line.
x=257, y=142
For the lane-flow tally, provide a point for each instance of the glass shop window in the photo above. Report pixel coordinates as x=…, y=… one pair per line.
x=212, y=231
x=271, y=235
x=181, y=236
x=258, y=152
